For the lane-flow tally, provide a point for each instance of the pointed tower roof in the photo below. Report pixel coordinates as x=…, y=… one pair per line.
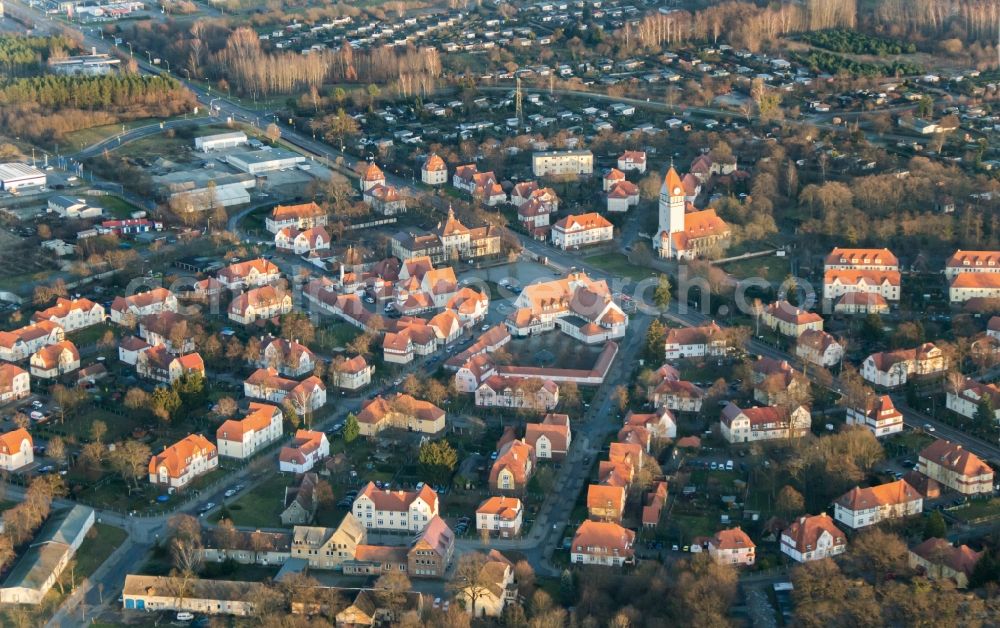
x=672, y=182
x=452, y=225
x=373, y=172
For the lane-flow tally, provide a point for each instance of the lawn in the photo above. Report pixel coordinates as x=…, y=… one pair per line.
x=770, y=268
x=619, y=265
x=336, y=335
x=260, y=507
x=117, y=207
x=83, y=138
x=690, y=526
x=78, y=427
x=977, y=509
x=88, y=336
x=101, y=541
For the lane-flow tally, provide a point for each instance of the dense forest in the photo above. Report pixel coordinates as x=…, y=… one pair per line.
x=23, y=56
x=44, y=108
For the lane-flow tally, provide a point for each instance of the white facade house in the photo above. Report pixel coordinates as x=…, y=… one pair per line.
x=408, y=511
x=569, y=162
x=15, y=383
x=606, y=544
x=968, y=398
x=16, y=449
x=434, y=171
x=72, y=314
x=581, y=230
x=764, y=423
x=178, y=465
x=879, y=415
x=862, y=507
x=813, y=538
x=242, y=438
x=306, y=449
x=819, y=348
x=892, y=369
x=501, y=516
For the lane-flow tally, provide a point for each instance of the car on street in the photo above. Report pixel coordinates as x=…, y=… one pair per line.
x=229, y=493
x=485, y=327
x=204, y=509
x=928, y=427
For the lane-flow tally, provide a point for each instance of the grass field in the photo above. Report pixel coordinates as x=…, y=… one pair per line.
x=770, y=268
x=87, y=137
x=260, y=507
x=978, y=509
x=96, y=549
x=116, y=206
x=619, y=265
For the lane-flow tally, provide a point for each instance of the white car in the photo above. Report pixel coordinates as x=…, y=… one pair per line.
x=485, y=327
x=185, y=616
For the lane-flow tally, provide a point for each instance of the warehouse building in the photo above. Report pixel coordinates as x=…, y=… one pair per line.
x=220, y=141
x=265, y=160
x=15, y=175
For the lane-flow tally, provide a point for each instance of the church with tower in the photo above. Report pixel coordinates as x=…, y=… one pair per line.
x=684, y=232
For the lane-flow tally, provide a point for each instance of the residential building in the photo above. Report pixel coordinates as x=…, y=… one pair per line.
x=606, y=502
x=20, y=343
x=513, y=468
x=581, y=230
x=266, y=302
x=242, y=438
x=158, y=364
x=305, y=396
x=402, y=412
x=695, y=342
x=668, y=391
x=568, y=162
x=732, y=547
x=177, y=465
x=611, y=178
x=879, y=415
x=862, y=507
x=385, y=199
x=288, y=357
x=939, y=559
x=652, y=509
x=813, y=537
x=307, y=242
x=47, y=556
x=143, y=304
x=383, y=509
x=354, y=374
x=15, y=383
x=71, y=314
x=328, y=548
x=434, y=171
x=861, y=303
x=882, y=283
x=249, y=274
x=765, y=423
x=578, y=305
x=371, y=175
x=789, y=320
x=164, y=328
x=447, y=242
x=129, y=349
x=306, y=449
x=686, y=234
x=430, y=555
x=534, y=214
x=892, y=369
x=52, y=361
x=514, y=392
x=208, y=597
x=550, y=438
x=501, y=515
x=495, y=588
x=968, y=398
x=660, y=424
x=602, y=543
x=974, y=285
x=861, y=259
x=298, y=217
x=632, y=160
x=971, y=262
x=819, y=348
x=300, y=501
x=957, y=468
x=622, y=196
x=16, y=449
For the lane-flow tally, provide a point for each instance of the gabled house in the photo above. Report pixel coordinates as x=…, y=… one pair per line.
x=383, y=509
x=158, y=364
x=789, y=320
x=288, y=357
x=602, y=543
x=513, y=468
x=766, y=423
x=606, y=502
x=71, y=314
x=819, y=348
x=305, y=396
x=249, y=274
x=16, y=449
x=243, y=438
x=550, y=438
x=165, y=327
x=400, y=411
x=939, y=559
x=813, y=537
x=306, y=449
x=495, y=588
x=328, y=548
x=515, y=392
x=955, y=467
x=20, y=343
x=177, y=465
x=15, y=383
x=879, y=415
x=695, y=342
x=892, y=369
x=299, y=217
x=143, y=304
x=262, y=303
x=312, y=240
x=54, y=360
x=500, y=515
x=732, y=547
x=862, y=507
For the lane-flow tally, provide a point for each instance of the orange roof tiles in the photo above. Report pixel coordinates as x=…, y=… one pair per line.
x=861, y=257
x=589, y=221
x=506, y=508
x=257, y=419
x=732, y=539
x=595, y=537
x=63, y=307
x=398, y=501
x=806, y=531
x=984, y=281
x=856, y=277
x=303, y=210
x=892, y=493
x=178, y=456
x=10, y=442
x=953, y=457
x=672, y=181
x=433, y=163
x=372, y=173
